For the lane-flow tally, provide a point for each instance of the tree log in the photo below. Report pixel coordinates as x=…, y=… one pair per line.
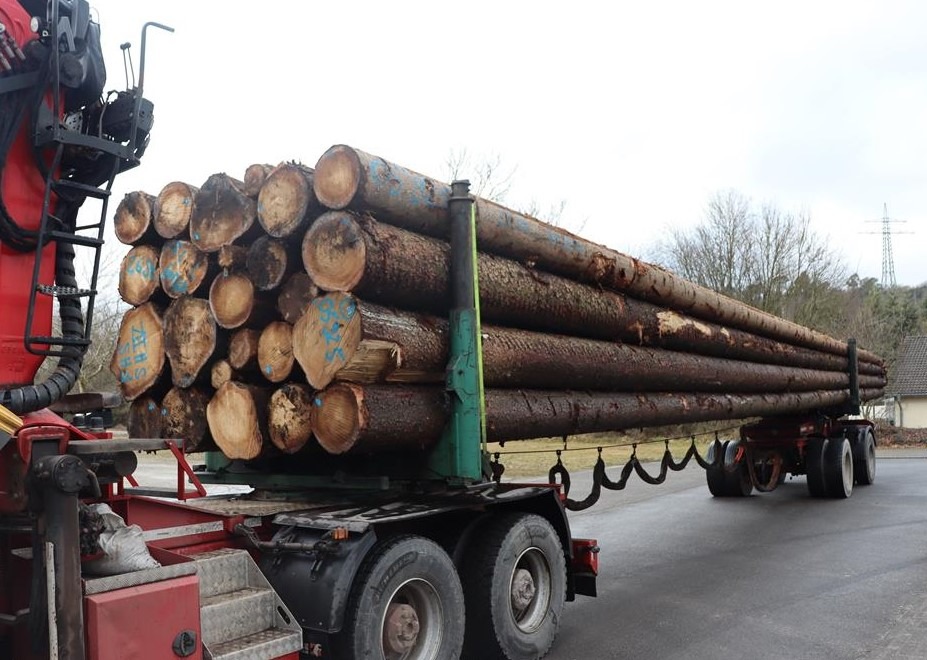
x=349, y=178
x=144, y=420
x=237, y=417
x=255, y=176
x=184, y=413
x=378, y=418
x=133, y=222
x=286, y=200
x=270, y=260
x=275, y=351
x=190, y=340
x=243, y=349
x=183, y=269
x=289, y=417
x=173, y=210
x=388, y=265
x=296, y=294
x=222, y=214
x=139, y=276
x=234, y=304
x=221, y=373
x=232, y=257
x=138, y=360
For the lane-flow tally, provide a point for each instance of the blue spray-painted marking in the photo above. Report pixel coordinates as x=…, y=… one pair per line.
x=268, y=369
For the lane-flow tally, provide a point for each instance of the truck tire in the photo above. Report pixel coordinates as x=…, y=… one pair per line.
x=838, y=468
x=724, y=482
x=864, y=456
x=814, y=466
x=514, y=578
x=406, y=602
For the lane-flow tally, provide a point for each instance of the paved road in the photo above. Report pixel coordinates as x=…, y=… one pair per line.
x=685, y=576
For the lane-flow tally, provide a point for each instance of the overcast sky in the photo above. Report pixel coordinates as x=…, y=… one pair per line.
x=634, y=113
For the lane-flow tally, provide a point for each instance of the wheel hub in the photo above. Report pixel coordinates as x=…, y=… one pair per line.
x=523, y=589
x=401, y=628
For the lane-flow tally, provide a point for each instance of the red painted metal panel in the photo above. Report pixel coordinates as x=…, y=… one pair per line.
x=142, y=622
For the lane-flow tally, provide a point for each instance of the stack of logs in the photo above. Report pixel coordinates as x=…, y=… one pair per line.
x=302, y=308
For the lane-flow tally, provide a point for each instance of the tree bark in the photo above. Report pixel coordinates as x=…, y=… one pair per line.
x=286, y=200
x=139, y=276
x=349, y=178
x=243, y=349
x=190, y=340
x=220, y=373
x=289, y=417
x=255, y=176
x=237, y=418
x=184, y=413
x=234, y=303
x=222, y=214
x=184, y=269
x=295, y=296
x=144, y=420
x=270, y=260
x=133, y=222
x=388, y=265
x=380, y=418
x=173, y=210
x=138, y=361
x=275, y=351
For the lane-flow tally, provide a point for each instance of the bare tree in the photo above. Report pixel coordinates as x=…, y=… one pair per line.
x=489, y=177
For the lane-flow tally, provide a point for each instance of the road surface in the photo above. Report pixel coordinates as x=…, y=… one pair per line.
x=685, y=576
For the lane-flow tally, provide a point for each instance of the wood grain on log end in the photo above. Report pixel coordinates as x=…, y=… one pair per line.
x=326, y=337
x=144, y=419
x=290, y=417
x=285, y=199
x=232, y=257
x=182, y=267
x=234, y=415
x=174, y=209
x=335, y=252
x=268, y=263
x=221, y=373
x=275, y=351
x=296, y=294
x=184, y=417
x=139, y=357
x=138, y=275
x=133, y=220
x=243, y=348
x=338, y=417
x=338, y=177
x=222, y=213
x=231, y=298
x=189, y=338
x=255, y=176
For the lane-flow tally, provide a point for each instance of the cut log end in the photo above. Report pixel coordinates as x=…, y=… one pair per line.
x=221, y=373
x=290, y=417
x=184, y=417
x=133, y=220
x=222, y=213
x=182, y=267
x=275, y=351
x=144, y=419
x=255, y=176
x=140, y=352
x=338, y=417
x=243, y=348
x=296, y=294
x=326, y=337
x=231, y=298
x=338, y=177
x=268, y=263
x=284, y=200
x=139, y=275
x=234, y=416
x=334, y=251
x=174, y=208
x=190, y=338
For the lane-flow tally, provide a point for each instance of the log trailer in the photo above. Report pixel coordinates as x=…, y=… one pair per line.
x=427, y=558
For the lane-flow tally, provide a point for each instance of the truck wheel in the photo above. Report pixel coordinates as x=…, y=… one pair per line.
x=814, y=466
x=514, y=579
x=725, y=483
x=838, y=468
x=864, y=457
x=406, y=603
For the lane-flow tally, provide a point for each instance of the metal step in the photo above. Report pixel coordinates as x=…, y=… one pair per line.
x=234, y=615
x=241, y=616
x=271, y=643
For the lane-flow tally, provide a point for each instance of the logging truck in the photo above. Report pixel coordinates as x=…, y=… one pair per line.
x=317, y=334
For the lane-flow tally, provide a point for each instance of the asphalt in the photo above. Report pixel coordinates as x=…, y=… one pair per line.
x=777, y=575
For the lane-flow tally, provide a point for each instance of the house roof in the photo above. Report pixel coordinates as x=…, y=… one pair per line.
x=911, y=369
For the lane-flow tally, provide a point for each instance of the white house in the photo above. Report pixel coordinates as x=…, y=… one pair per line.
x=908, y=385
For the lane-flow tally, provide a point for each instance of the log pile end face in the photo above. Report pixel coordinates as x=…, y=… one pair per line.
x=326, y=337
x=133, y=217
x=290, y=417
x=232, y=417
x=231, y=296
x=182, y=268
x=138, y=359
x=337, y=177
x=221, y=213
x=139, y=274
x=335, y=252
x=275, y=351
x=190, y=338
x=285, y=199
x=338, y=415
x=174, y=208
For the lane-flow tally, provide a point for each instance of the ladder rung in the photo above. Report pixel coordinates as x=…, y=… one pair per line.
x=90, y=191
x=59, y=341
x=64, y=291
x=76, y=239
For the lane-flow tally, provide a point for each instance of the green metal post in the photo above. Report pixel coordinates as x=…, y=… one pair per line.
x=458, y=455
